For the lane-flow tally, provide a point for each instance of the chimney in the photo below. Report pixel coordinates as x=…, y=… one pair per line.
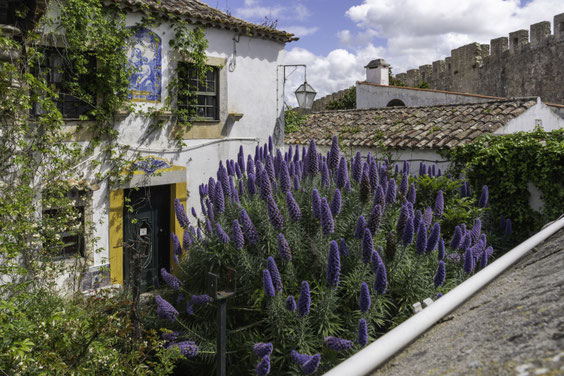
x=377, y=72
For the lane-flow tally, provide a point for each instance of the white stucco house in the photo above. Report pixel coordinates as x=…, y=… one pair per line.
x=242, y=104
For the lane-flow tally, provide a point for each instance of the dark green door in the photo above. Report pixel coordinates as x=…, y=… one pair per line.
x=146, y=236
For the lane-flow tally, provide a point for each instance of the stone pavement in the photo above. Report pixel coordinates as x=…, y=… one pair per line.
x=514, y=326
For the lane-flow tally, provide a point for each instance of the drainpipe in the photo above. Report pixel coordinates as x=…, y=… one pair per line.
x=374, y=355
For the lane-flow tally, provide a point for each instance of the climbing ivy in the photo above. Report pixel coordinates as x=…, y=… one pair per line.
x=507, y=164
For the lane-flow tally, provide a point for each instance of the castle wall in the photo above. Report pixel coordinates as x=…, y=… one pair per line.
x=526, y=63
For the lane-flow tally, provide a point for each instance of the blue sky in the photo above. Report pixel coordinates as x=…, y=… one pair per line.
x=337, y=38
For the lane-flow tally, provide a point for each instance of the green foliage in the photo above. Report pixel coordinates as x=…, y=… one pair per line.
x=423, y=85
x=293, y=120
x=393, y=81
x=254, y=317
x=507, y=164
x=346, y=102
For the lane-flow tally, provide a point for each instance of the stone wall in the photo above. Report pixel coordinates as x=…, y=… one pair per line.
x=523, y=64
x=321, y=103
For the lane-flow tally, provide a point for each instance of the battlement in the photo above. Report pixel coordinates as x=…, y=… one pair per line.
x=457, y=72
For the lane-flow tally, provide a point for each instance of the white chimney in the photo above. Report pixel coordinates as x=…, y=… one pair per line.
x=377, y=72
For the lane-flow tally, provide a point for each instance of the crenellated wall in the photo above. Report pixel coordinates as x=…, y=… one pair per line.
x=526, y=63
x=321, y=103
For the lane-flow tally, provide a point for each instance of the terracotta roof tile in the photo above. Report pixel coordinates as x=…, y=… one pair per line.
x=202, y=14
x=410, y=127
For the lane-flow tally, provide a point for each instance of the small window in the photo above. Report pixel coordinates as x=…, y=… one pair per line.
x=55, y=67
x=198, y=97
x=395, y=103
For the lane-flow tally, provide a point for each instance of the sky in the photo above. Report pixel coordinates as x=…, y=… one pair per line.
x=339, y=37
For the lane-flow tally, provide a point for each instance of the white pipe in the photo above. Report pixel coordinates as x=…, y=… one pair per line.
x=368, y=359
x=193, y=147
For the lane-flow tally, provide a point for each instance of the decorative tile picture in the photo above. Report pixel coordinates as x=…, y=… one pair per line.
x=145, y=56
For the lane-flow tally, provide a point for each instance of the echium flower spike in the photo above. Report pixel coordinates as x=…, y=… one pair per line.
x=336, y=203
x=333, y=264
x=274, y=214
x=379, y=196
x=304, y=300
x=456, y=238
x=483, y=259
x=274, y=273
x=507, y=231
x=238, y=238
x=468, y=261
x=221, y=234
x=402, y=218
x=367, y=246
x=381, y=282
x=362, y=337
x=342, y=174
x=376, y=260
x=483, y=202
x=165, y=310
x=293, y=207
x=187, y=348
x=404, y=185
x=333, y=160
x=327, y=223
x=476, y=230
x=407, y=236
x=440, y=275
x=284, y=248
x=176, y=248
x=316, y=203
x=391, y=192
x=170, y=280
x=264, y=185
x=428, y=216
x=262, y=349
x=263, y=368
x=219, y=202
x=374, y=178
x=338, y=344
x=311, y=365
x=441, y=249
x=364, y=300
x=360, y=226
x=267, y=283
x=343, y=249
x=375, y=218
x=291, y=303
x=365, y=188
x=325, y=175
x=285, y=181
x=421, y=242
x=356, y=167
x=181, y=214
x=269, y=167
x=250, y=165
x=312, y=165
x=411, y=195
x=251, y=187
x=248, y=227
x=201, y=299
x=433, y=239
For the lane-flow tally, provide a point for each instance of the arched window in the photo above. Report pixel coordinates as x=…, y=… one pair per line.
x=395, y=103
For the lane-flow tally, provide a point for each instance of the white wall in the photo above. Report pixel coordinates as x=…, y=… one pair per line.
x=538, y=115
x=252, y=89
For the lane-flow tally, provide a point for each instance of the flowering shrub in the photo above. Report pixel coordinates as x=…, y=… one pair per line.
x=325, y=263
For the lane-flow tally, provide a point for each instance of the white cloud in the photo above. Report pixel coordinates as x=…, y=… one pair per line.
x=415, y=32
x=300, y=31
x=302, y=12
x=258, y=9
x=259, y=12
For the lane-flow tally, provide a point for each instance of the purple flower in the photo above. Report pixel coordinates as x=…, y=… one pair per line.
x=433, y=239
x=365, y=188
x=315, y=203
x=274, y=273
x=222, y=235
x=421, y=242
x=269, y=167
x=333, y=159
x=367, y=246
x=343, y=249
x=251, y=187
x=291, y=303
x=342, y=174
x=284, y=248
x=391, y=191
x=170, y=280
x=219, y=199
x=181, y=214
x=483, y=259
x=379, y=197
x=285, y=182
x=373, y=172
x=296, y=182
x=375, y=218
x=250, y=166
x=357, y=167
x=466, y=241
x=440, y=275
x=333, y=264
x=456, y=238
x=381, y=282
x=262, y=349
x=175, y=244
x=274, y=214
x=324, y=174
x=222, y=177
x=336, y=203
x=312, y=166
x=404, y=185
x=187, y=240
x=311, y=365
x=209, y=228
x=293, y=207
x=327, y=223
x=201, y=299
x=165, y=310
x=408, y=230
x=238, y=239
x=362, y=338
x=264, y=185
x=364, y=300
x=376, y=260
x=187, y=348
x=483, y=202
x=441, y=249
x=411, y=195
x=440, y=294
x=507, y=231
x=337, y=344
x=189, y=308
x=428, y=216
x=360, y=226
x=267, y=283
x=304, y=300
x=300, y=359
x=263, y=368
x=476, y=230
x=241, y=190
x=194, y=212
x=402, y=218
x=468, y=261
x=248, y=227
x=170, y=336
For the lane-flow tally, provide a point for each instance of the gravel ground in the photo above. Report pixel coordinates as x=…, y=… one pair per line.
x=515, y=326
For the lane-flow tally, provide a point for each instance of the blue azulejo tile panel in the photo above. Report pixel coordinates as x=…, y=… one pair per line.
x=144, y=55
